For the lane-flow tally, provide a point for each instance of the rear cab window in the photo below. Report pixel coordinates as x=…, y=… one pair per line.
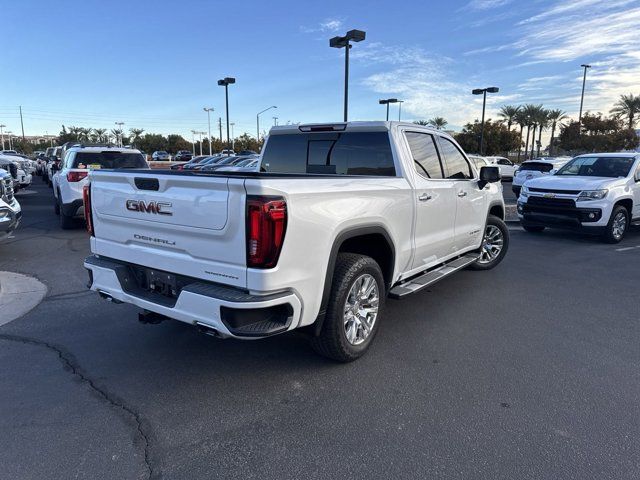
x=536, y=167
x=107, y=159
x=332, y=153
x=457, y=166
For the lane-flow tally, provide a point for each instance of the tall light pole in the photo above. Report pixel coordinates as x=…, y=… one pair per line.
x=258, y=120
x=209, y=110
x=483, y=92
x=120, y=124
x=386, y=102
x=275, y=121
x=343, y=42
x=400, y=102
x=225, y=82
x=584, y=81
x=9, y=134
x=2, y=134
x=200, y=133
x=193, y=142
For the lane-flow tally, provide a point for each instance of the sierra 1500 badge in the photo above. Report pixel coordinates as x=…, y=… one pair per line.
x=158, y=208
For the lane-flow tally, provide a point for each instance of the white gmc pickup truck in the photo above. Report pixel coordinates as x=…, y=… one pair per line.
x=339, y=217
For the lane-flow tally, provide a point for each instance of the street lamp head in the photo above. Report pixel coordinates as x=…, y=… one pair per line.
x=493, y=90
x=477, y=91
x=226, y=81
x=356, y=35
x=584, y=65
x=208, y=109
x=387, y=101
x=338, y=42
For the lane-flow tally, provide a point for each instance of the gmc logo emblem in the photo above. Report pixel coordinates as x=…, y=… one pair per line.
x=159, y=208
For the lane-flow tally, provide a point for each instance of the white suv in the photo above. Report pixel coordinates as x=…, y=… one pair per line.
x=507, y=167
x=535, y=168
x=70, y=179
x=596, y=192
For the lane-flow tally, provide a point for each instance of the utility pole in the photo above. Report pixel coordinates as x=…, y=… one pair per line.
x=233, y=137
x=193, y=142
x=225, y=82
x=584, y=81
x=2, y=134
x=209, y=110
x=344, y=42
x=220, y=127
x=200, y=143
x=21, y=123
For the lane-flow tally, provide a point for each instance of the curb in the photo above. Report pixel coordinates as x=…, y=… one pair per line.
x=19, y=294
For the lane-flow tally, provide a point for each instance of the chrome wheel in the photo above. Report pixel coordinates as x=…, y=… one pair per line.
x=619, y=225
x=361, y=309
x=491, y=244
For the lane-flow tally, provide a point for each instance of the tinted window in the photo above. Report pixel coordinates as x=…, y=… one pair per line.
x=536, y=167
x=503, y=162
x=108, y=159
x=457, y=165
x=425, y=155
x=347, y=153
x=598, y=167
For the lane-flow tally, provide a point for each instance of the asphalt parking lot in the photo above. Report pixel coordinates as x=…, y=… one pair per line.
x=528, y=371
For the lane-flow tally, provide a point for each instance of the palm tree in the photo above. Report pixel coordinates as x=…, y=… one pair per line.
x=537, y=117
x=84, y=134
x=100, y=134
x=529, y=111
x=116, y=132
x=438, y=122
x=628, y=106
x=521, y=119
x=135, y=134
x=508, y=114
x=421, y=122
x=543, y=123
x=555, y=117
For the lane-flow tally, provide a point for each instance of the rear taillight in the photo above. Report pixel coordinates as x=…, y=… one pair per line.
x=76, y=176
x=86, y=197
x=266, y=226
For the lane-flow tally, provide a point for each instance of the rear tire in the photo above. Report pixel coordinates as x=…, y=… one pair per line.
x=617, y=226
x=350, y=324
x=495, y=244
x=533, y=228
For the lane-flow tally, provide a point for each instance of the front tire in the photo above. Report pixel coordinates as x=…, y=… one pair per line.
x=353, y=313
x=495, y=244
x=617, y=226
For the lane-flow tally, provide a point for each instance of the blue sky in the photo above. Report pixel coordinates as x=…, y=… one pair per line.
x=154, y=64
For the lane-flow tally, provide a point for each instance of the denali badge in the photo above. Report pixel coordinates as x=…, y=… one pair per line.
x=159, y=208
x=153, y=239
x=549, y=195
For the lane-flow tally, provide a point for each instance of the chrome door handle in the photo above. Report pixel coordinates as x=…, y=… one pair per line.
x=424, y=197
x=462, y=194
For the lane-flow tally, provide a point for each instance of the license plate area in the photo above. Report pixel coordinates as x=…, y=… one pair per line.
x=157, y=282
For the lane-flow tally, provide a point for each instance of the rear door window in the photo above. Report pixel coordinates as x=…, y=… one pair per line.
x=108, y=159
x=426, y=160
x=334, y=153
x=457, y=167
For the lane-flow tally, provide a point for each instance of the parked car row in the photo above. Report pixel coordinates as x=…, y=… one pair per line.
x=222, y=162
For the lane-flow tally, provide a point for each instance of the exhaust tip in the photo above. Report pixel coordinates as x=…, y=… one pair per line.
x=207, y=330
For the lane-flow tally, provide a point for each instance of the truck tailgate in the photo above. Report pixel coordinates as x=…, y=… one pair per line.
x=189, y=225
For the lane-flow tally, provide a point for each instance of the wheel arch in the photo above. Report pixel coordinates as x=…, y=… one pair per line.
x=497, y=209
x=371, y=240
x=626, y=203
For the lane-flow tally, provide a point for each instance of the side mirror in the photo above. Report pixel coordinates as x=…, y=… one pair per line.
x=488, y=175
x=54, y=167
x=553, y=171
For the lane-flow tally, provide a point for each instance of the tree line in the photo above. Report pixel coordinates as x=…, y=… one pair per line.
x=594, y=133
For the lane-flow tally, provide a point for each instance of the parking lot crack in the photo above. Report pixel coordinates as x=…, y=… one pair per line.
x=70, y=364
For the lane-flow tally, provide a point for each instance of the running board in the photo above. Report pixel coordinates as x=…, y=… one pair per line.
x=429, y=278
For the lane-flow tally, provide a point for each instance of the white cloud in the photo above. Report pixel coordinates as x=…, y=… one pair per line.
x=425, y=83
x=605, y=34
x=330, y=25
x=486, y=4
